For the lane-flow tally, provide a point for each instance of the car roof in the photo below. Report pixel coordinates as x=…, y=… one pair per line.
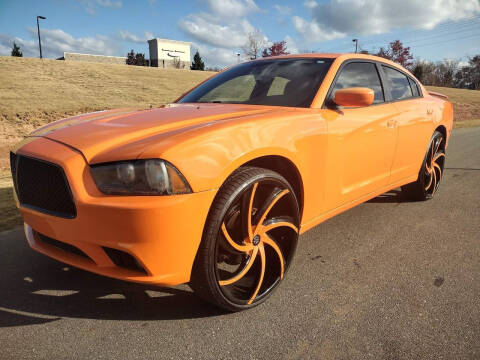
x=341, y=57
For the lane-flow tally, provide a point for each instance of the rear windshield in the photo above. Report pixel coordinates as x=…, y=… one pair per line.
x=278, y=82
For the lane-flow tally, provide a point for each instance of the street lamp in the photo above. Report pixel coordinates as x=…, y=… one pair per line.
x=356, y=45
x=38, y=28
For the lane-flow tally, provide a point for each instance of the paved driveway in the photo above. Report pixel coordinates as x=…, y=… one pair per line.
x=386, y=280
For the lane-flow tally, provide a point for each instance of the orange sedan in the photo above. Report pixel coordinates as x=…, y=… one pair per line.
x=215, y=188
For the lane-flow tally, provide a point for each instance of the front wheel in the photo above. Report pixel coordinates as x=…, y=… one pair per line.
x=249, y=240
x=430, y=173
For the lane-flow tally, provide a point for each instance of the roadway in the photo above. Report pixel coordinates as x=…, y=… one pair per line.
x=388, y=279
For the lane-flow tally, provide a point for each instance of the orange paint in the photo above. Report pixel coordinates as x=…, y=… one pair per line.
x=343, y=157
x=354, y=97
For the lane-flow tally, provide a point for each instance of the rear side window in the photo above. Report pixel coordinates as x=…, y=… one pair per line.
x=360, y=74
x=414, y=87
x=399, y=84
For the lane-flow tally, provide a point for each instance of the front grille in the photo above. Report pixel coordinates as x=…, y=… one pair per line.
x=42, y=186
x=61, y=245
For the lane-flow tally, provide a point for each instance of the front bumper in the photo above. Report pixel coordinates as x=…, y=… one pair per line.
x=162, y=233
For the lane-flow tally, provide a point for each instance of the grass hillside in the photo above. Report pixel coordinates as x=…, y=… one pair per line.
x=466, y=105
x=34, y=92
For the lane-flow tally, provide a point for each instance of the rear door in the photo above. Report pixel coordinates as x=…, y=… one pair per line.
x=413, y=122
x=361, y=141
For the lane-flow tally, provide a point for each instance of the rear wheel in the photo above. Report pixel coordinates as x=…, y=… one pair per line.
x=249, y=240
x=431, y=172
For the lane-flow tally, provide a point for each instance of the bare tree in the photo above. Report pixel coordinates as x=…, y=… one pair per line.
x=255, y=44
x=445, y=72
x=177, y=64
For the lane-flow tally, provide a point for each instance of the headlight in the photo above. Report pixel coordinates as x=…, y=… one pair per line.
x=139, y=177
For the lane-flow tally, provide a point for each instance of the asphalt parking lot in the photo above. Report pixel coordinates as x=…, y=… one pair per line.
x=388, y=279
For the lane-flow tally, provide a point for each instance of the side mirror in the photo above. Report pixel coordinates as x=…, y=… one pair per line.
x=354, y=97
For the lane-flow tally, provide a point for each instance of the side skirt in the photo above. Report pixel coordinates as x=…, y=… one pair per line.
x=319, y=219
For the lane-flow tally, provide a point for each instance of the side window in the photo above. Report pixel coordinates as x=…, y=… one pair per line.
x=399, y=85
x=361, y=74
x=414, y=87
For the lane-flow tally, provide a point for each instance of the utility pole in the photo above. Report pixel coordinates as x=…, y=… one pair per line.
x=38, y=28
x=356, y=45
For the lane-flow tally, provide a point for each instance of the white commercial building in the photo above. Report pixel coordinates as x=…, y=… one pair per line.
x=169, y=53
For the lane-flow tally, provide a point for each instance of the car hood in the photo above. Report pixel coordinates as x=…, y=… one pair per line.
x=99, y=132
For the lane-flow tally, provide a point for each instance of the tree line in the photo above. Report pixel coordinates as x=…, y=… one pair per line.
x=447, y=73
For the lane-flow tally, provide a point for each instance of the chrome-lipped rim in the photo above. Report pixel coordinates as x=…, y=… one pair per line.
x=434, y=166
x=256, y=242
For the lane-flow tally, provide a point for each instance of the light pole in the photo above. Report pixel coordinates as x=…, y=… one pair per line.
x=356, y=45
x=38, y=28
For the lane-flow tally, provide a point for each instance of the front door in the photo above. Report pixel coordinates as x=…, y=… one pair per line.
x=361, y=141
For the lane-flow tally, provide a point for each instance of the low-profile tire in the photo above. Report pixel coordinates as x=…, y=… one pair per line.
x=249, y=240
x=430, y=173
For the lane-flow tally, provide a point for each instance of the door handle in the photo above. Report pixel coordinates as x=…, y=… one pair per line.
x=391, y=123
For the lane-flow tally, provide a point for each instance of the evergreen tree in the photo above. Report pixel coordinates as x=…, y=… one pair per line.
x=136, y=59
x=418, y=70
x=16, y=50
x=131, y=58
x=197, y=63
x=140, y=59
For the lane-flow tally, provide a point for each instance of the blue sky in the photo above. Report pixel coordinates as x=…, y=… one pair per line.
x=434, y=29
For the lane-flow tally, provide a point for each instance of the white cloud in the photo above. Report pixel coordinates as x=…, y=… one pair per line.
x=55, y=42
x=337, y=18
x=6, y=45
x=312, y=31
x=110, y=3
x=283, y=10
x=216, y=57
x=202, y=28
x=291, y=45
x=128, y=36
x=232, y=8
x=91, y=5
x=221, y=30
x=310, y=4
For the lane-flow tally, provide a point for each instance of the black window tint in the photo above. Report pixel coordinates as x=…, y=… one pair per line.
x=277, y=82
x=360, y=74
x=414, y=86
x=399, y=85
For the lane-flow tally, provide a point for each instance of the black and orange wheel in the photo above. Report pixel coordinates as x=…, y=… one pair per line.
x=249, y=240
x=431, y=172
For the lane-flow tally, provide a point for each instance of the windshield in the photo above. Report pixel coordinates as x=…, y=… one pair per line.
x=278, y=82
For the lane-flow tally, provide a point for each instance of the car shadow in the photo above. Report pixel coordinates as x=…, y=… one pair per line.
x=392, y=196
x=37, y=289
